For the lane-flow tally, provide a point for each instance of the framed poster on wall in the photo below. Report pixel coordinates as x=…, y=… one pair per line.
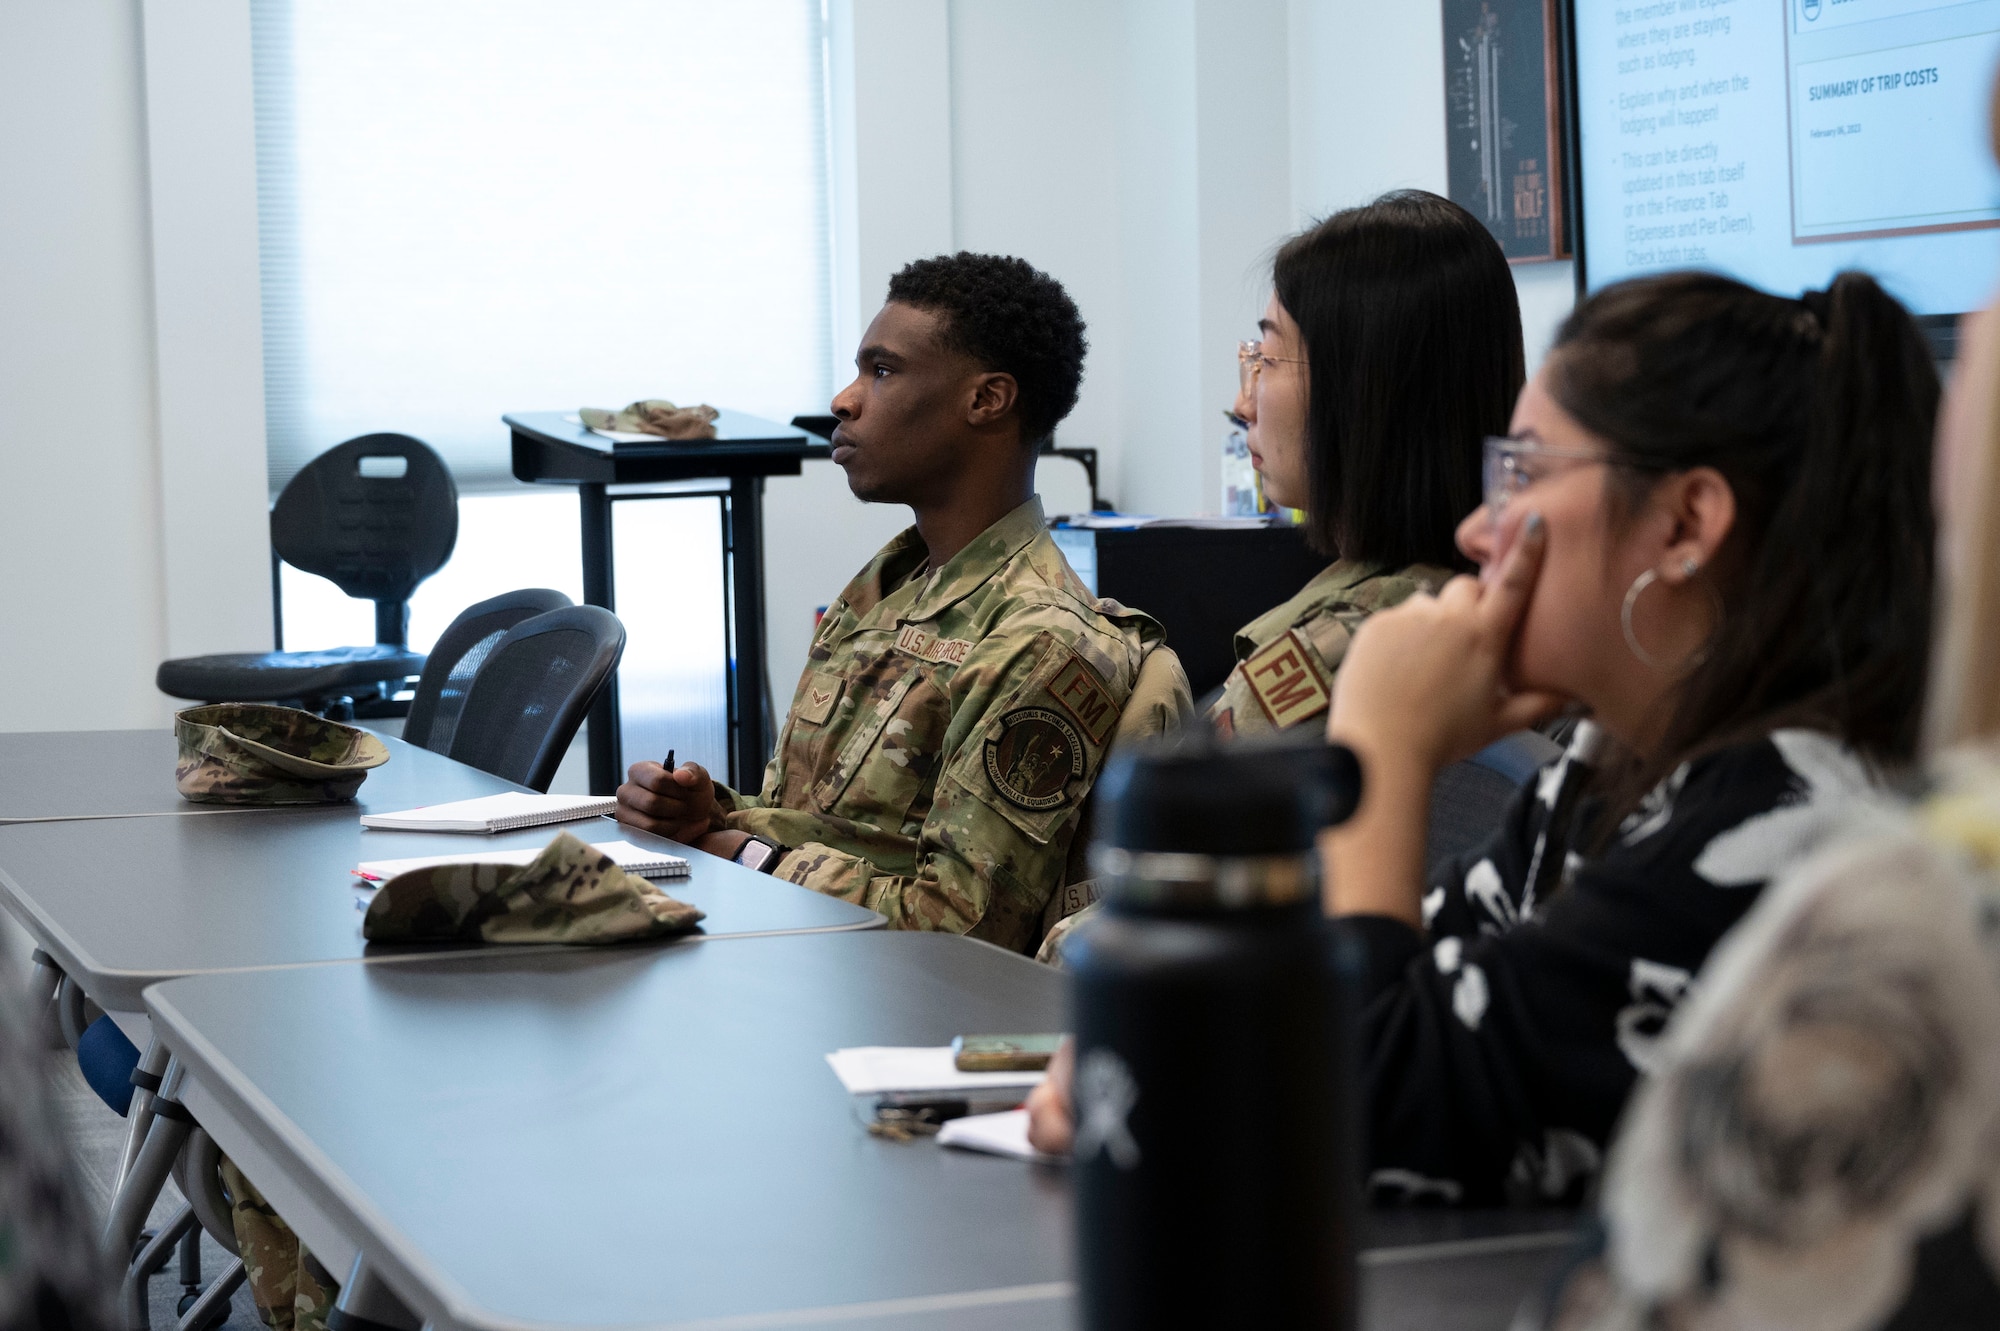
x=1503, y=118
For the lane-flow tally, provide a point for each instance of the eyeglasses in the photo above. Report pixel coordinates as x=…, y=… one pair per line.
x=1250, y=358
x=1512, y=465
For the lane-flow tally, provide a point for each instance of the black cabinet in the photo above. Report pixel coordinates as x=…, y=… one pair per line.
x=1201, y=584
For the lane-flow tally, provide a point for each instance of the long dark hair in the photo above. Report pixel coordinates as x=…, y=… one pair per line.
x=1819, y=412
x=1412, y=333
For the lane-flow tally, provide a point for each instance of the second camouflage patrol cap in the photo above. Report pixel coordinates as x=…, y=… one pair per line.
x=572, y=893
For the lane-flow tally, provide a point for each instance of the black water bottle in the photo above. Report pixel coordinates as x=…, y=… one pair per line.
x=1214, y=1138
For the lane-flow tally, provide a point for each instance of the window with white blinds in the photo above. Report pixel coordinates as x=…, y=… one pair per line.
x=471, y=207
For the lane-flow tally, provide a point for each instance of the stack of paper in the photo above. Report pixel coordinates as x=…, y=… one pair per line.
x=891, y=1069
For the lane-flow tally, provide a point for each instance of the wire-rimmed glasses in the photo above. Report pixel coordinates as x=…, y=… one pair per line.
x=1251, y=358
x=1512, y=464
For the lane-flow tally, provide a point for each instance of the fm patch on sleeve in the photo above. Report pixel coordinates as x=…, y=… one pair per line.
x=1079, y=692
x=1030, y=762
x=1284, y=676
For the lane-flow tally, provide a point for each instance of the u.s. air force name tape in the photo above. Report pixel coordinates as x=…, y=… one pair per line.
x=923, y=645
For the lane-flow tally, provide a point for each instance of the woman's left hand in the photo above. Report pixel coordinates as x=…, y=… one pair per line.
x=1051, y=1124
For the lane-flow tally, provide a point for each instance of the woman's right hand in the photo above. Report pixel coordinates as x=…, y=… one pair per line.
x=1424, y=684
x=1051, y=1120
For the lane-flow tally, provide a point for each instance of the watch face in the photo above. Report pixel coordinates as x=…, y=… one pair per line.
x=758, y=855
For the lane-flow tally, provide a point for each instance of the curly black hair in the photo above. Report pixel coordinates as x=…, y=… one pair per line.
x=1009, y=317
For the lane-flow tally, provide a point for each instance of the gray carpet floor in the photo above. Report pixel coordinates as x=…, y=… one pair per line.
x=98, y=1136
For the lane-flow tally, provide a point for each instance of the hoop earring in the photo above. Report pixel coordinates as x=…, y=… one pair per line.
x=1646, y=578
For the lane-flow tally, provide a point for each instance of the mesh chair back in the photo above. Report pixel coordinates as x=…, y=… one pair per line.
x=375, y=516
x=460, y=651
x=1471, y=797
x=528, y=699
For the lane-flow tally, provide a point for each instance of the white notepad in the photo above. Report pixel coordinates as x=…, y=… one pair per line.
x=493, y=813
x=632, y=859
x=1005, y=1133
x=885, y=1069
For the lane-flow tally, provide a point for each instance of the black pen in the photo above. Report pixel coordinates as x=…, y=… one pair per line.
x=669, y=763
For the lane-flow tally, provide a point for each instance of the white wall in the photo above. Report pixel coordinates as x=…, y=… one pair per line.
x=1202, y=165
x=1149, y=153
x=81, y=620
x=208, y=325
x=889, y=99
x=1034, y=172
x=1367, y=97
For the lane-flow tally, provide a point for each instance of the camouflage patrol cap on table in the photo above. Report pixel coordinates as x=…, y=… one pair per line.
x=254, y=753
x=655, y=415
x=572, y=893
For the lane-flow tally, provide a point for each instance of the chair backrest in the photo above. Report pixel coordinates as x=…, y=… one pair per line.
x=375, y=516
x=1160, y=704
x=460, y=651
x=526, y=702
x=1470, y=797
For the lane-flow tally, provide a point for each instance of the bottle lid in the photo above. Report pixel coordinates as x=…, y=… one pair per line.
x=1245, y=798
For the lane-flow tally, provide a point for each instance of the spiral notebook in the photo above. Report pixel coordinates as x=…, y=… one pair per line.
x=493, y=813
x=632, y=859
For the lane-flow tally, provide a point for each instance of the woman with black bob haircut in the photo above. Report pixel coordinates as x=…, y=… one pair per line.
x=1390, y=348
x=1710, y=532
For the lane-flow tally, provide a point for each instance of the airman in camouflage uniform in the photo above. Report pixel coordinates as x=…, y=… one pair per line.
x=1285, y=658
x=946, y=729
x=292, y=1291
x=961, y=692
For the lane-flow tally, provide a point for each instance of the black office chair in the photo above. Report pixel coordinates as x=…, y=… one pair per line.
x=376, y=516
x=1471, y=796
x=460, y=651
x=534, y=690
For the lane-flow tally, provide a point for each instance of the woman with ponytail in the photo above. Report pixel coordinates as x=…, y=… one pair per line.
x=1818, y=1148
x=1709, y=533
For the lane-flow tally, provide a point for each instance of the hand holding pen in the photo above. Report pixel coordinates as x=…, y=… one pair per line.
x=669, y=801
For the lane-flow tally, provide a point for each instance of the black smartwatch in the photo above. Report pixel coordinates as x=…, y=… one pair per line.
x=761, y=854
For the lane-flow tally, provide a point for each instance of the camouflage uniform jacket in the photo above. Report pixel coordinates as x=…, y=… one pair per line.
x=945, y=731
x=1285, y=658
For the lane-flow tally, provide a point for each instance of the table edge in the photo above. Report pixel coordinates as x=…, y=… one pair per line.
x=327, y=1187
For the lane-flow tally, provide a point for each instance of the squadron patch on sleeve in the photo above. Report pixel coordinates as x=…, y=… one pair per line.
x=1285, y=677
x=1031, y=761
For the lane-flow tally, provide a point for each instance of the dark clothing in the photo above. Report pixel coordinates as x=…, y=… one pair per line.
x=50, y=1275
x=1499, y=1050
